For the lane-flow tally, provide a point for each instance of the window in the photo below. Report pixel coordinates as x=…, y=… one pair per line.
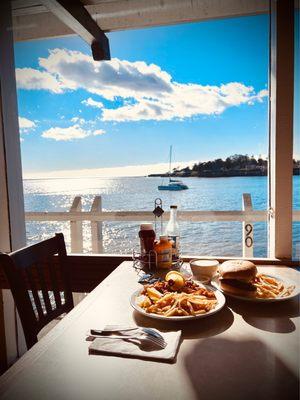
x=91, y=129
x=89, y=133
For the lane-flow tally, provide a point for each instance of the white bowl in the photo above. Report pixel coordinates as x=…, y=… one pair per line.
x=204, y=270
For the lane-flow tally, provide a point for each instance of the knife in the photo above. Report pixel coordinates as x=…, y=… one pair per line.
x=112, y=328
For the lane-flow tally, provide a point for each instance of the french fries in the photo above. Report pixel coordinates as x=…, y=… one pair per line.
x=172, y=304
x=268, y=288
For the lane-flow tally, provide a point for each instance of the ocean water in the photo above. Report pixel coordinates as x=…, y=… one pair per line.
x=139, y=193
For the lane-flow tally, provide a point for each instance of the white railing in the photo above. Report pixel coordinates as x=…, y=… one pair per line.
x=96, y=216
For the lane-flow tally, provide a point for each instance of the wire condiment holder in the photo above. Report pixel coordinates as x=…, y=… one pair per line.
x=147, y=262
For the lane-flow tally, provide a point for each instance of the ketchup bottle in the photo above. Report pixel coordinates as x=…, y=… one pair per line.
x=147, y=237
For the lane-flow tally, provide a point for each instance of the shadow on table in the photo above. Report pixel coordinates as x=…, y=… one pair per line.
x=225, y=369
x=191, y=329
x=272, y=317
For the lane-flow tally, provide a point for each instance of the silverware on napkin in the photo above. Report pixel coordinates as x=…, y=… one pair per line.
x=133, y=333
x=115, y=328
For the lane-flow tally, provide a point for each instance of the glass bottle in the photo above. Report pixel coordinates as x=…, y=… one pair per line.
x=147, y=238
x=172, y=231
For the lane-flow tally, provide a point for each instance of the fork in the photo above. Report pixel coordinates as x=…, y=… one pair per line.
x=140, y=335
x=115, y=328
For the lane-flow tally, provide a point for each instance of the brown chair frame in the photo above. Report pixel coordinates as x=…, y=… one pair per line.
x=33, y=269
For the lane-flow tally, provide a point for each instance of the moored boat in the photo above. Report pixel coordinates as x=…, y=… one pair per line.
x=173, y=184
x=178, y=185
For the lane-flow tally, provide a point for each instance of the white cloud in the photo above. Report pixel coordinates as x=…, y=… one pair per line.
x=30, y=78
x=109, y=79
x=80, y=121
x=26, y=124
x=71, y=133
x=92, y=103
x=261, y=94
x=98, y=132
x=144, y=91
x=65, y=134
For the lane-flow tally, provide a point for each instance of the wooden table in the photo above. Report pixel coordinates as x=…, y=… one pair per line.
x=246, y=351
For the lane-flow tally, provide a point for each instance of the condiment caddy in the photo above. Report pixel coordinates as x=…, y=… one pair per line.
x=162, y=252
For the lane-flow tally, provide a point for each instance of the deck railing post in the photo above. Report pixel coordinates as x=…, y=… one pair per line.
x=96, y=227
x=76, y=228
x=76, y=240
x=247, y=228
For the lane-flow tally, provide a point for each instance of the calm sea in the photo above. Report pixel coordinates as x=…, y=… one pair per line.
x=139, y=193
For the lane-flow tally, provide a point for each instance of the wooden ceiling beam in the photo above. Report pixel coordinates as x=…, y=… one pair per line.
x=115, y=15
x=73, y=14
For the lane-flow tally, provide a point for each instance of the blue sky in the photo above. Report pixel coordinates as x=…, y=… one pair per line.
x=200, y=86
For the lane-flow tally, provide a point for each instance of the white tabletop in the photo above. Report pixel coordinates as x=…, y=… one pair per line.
x=246, y=351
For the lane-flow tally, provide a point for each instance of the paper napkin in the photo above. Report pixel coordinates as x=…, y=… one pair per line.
x=136, y=349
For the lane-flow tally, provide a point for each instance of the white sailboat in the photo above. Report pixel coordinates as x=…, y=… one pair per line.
x=174, y=184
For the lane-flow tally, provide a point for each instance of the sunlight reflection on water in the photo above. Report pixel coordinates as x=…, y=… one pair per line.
x=137, y=194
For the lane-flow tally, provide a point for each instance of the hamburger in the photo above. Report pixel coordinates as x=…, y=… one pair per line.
x=237, y=277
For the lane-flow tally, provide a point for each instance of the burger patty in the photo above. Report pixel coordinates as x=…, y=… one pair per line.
x=240, y=284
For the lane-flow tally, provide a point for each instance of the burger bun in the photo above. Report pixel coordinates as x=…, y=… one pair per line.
x=232, y=286
x=242, y=270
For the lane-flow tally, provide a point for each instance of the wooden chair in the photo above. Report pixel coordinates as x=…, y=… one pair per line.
x=39, y=283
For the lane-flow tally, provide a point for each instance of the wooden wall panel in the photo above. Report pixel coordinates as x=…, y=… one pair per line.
x=86, y=271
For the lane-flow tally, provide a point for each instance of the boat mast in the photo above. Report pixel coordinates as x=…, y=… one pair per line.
x=170, y=163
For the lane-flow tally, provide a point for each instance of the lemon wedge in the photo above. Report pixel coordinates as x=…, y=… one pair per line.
x=172, y=273
x=175, y=280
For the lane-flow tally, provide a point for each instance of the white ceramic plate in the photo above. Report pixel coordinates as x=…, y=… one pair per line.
x=220, y=297
x=216, y=283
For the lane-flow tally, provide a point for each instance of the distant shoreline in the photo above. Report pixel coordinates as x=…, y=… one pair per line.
x=233, y=166
x=296, y=173
x=223, y=174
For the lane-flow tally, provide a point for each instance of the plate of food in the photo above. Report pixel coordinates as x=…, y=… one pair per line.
x=177, y=299
x=242, y=280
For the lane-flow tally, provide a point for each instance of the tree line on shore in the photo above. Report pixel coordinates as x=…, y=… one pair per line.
x=235, y=165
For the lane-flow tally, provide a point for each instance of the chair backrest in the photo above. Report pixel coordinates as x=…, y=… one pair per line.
x=40, y=284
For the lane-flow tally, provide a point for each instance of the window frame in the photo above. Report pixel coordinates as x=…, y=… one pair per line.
x=281, y=106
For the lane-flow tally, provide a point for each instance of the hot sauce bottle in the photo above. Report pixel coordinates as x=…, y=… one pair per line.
x=163, y=250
